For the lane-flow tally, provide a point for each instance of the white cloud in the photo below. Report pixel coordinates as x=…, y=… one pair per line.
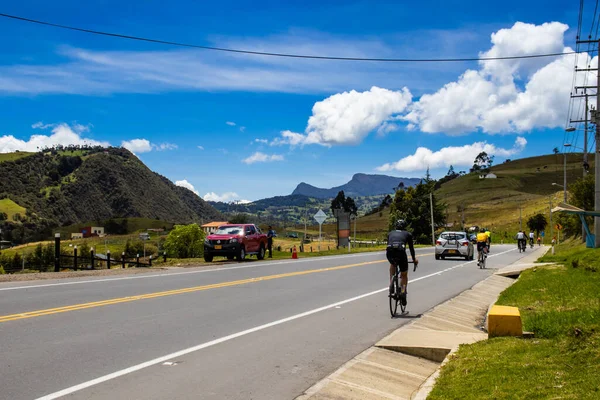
x=62, y=134
x=184, y=183
x=264, y=141
x=424, y=158
x=289, y=138
x=201, y=147
x=227, y=196
x=230, y=123
x=490, y=99
x=242, y=129
x=165, y=146
x=262, y=157
x=347, y=118
x=137, y=146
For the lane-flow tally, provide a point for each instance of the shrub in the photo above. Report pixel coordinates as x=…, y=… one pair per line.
x=2, y=272
x=185, y=241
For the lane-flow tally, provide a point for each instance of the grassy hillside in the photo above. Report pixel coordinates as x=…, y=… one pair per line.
x=13, y=156
x=525, y=183
x=61, y=187
x=11, y=208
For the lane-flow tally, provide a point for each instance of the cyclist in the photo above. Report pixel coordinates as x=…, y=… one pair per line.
x=531, y=238
x=396, y=254
x=482, y=242
x=489, y=243
x=521, y=239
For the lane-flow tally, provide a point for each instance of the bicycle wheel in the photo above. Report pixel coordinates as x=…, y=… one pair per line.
x=402, y=303
x=393, y=296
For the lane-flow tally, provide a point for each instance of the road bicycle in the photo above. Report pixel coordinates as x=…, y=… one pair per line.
x=481, y=258
x=522, y=244
x=397, y=293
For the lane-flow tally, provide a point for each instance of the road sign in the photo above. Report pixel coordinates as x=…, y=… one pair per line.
x=320, y=217
x=543, y=233
x=558, y=226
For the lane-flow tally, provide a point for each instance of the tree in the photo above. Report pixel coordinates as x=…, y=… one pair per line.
x=339, y=201
x=537, y=223
x=555, y=150
x=483, y=162
x=239, y=218
x=185, y=241
x=582, y=196
x=412, y=205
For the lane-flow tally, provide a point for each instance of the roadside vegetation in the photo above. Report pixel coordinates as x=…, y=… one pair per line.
x=561, y=306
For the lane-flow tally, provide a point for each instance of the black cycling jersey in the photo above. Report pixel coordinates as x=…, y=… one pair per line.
x=399, y=240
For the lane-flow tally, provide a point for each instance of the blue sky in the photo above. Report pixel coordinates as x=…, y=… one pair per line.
x=308, y=120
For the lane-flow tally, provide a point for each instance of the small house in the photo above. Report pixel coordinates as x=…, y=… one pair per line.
x=211, y=227
x=90, y=231
x=491, y=176
x=76, y=235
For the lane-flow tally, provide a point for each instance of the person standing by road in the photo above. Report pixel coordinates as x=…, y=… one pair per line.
x=270, y=235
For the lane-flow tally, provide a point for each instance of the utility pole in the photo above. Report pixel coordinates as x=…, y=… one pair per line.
x=565, y=179
x=520, y=217
x=595, y=120
x=432, y=225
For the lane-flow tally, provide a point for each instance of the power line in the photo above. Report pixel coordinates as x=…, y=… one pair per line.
x=288, y=55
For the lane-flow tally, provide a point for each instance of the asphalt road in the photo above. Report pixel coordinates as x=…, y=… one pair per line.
x=252, y=330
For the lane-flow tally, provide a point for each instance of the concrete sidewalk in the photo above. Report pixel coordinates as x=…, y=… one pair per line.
x=405, y=364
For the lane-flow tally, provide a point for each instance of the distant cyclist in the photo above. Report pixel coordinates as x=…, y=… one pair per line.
x=482, y=242
x=396, y=253
x=531, y=238
x=489, y=242
x=521, y=239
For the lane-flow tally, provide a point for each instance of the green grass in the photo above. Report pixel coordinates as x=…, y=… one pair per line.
x=561, y=305
x=14, y=156
x=11, y=208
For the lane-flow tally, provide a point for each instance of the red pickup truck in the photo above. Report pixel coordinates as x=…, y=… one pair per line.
x=235, y=240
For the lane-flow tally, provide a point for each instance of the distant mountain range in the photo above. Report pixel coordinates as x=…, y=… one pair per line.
x=359, y=185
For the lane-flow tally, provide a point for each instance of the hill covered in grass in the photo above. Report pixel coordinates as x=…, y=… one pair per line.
x=60, y=187
x=522, y=187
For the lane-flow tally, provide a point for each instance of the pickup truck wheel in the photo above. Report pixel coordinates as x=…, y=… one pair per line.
x=208, y=257
x=241, y=255
x=261, y=252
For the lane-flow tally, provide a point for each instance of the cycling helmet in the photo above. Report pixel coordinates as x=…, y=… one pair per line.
x=400, y=224
x=482, y=230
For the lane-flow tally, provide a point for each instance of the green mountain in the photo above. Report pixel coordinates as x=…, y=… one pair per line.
x=64, y=186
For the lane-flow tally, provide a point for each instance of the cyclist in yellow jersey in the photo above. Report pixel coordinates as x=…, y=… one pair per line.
x=489, y=245
x=482, y=242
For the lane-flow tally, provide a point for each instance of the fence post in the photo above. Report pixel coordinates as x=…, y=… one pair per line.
x=150, y=261
x=123, y=260
x=75, y=258
x=137, y=261
x=164, y=256
x=107, y=259
x=92, y=257
x=56, y=252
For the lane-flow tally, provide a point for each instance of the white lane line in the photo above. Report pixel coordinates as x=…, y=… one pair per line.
x=189, y=350
x=168, y=274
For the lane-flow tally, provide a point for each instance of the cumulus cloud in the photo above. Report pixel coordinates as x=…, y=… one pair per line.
x=347, y=118
x=263, y=141
x=227, y=196
x=262, y=157
x=424, y=158
x=201, y=147
x=184, y=183
x=62, y=134
x=490, y=99
x=289, y=138
x=230, y=123
x=137, y=146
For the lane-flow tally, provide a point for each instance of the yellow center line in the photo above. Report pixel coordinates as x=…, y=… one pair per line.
x=83, y=306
